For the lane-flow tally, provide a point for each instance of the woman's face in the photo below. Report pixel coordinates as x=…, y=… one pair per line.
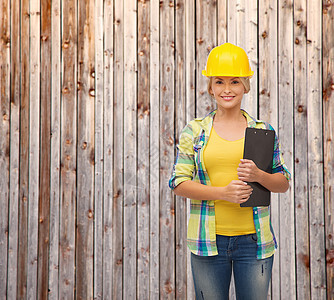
x=228, y=91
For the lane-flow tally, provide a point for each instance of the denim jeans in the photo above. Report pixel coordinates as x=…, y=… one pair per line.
x=212, y=274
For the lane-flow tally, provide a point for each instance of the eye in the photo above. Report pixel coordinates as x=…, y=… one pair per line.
x=235, y=81
x=219, y=81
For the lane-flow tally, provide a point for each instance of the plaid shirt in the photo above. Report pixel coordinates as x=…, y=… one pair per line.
x=189, y=165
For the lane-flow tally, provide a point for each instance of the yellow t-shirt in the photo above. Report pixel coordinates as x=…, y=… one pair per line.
x=221, y=159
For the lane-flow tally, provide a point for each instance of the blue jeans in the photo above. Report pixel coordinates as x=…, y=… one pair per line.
x=212, y=274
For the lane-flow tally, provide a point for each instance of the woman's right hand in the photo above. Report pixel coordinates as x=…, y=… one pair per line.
x=236, y=191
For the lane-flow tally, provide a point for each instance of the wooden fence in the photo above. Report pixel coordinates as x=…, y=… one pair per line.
x=94, y=94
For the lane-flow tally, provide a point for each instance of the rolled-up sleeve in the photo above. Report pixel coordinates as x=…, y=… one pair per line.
x=184, y=165
x=278, y=160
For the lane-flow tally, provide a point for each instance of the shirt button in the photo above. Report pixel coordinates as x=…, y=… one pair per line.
x=256, y=212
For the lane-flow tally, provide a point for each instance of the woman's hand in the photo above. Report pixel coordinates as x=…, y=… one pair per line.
x=236, y=191
x=248, y=171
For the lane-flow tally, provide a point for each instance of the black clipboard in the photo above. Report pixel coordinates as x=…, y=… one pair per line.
x=259, y=147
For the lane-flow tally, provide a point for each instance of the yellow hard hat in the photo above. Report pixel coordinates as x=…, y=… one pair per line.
x=227, y=60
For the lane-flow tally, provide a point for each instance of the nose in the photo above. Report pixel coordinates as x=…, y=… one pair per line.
x=227, y=88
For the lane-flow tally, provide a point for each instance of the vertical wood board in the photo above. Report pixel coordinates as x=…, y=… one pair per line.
x=154, y=150
x=315, y=151
x=130, y=151
x=5, y=140
x=85, y=151
x=301, y=159
x=285, y=131
x=34, y=148
x=118, y=194
x=108, y=150
x=143, y=151
x=68, y=158
x=99, y=151
x=45, y=150
x=55, y=151
x=328, y=138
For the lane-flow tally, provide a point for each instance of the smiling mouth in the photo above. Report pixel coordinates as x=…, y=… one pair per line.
x=227, y=98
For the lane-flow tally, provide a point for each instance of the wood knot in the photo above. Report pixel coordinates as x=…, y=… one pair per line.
x=92, y=92
x=200, y=41
x=90, y=214
x=300, y=108
x=65, y=90
x=330, y=257
x=66, y=44
x=305, y=259
x=264, y=34
x=117, y=194
x=297, y=41
x=84, y=146
x=119, y=262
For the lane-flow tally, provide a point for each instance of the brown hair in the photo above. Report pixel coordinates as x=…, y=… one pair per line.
x=244, y=80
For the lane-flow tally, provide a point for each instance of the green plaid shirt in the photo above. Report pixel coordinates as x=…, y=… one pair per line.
x=189, y=165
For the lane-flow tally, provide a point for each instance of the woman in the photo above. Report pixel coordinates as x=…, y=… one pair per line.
x=209, y=169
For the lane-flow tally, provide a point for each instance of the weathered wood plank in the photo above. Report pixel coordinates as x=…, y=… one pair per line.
x=268, y=62
x=85, y=151
x=285, y=96
x=190, y=84
x=167, y=206
x=154, y=150
x=130, y=151
x=99, y=151
x=300, y=155
x=5, y=140
x=268, y=102
x=45, y=150
x=180, y=121
x=118, y=201
x=315, y=152
x=68, y=165
x=222, y=10
x=328, y=132
x=143, y=152
x=34, y=148
x=55, y=151
x=108, y=150
x=24, y=152
x=206, y=39
x=13, y=224
x=242, y=31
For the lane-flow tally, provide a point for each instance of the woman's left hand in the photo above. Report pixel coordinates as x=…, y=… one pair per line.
x=248, y=171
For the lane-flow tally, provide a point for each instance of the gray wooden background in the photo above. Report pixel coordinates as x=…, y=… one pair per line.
x=94, y=94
